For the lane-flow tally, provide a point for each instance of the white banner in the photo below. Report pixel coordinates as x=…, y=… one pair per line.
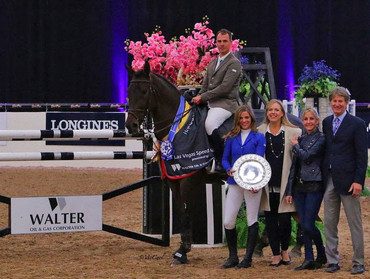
x=56, y=214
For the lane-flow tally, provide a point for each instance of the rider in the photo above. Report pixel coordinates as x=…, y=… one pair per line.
x=220, y=91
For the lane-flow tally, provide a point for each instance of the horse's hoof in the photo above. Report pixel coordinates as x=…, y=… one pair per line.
x=176, y=262
x=180, y=257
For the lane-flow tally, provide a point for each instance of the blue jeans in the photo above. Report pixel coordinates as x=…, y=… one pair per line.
x=308, y=206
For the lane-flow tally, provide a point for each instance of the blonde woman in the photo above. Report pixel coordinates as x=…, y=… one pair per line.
x=278, y=132
x=241, y=140
x=305, y=186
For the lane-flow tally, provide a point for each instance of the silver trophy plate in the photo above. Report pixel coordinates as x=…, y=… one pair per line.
x=252, y=172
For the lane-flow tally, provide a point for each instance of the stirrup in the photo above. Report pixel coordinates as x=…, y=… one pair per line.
x=211, y=168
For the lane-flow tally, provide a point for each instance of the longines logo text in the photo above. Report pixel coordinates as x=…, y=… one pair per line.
x=84, y=124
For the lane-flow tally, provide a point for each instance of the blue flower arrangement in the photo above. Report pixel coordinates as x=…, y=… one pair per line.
x=316, y=81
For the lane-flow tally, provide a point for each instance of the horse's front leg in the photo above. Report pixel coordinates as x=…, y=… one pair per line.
x=179, y=256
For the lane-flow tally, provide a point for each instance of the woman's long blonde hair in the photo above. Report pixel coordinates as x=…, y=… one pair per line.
x=236, y=129
x=284, y=120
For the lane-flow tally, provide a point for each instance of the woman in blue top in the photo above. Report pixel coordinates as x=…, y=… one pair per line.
x=242, y=139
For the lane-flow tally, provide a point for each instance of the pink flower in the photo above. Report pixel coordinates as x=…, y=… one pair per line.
x=189, y=55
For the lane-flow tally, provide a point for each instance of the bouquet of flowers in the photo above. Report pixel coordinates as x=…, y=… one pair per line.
x=183, y=61
x=316, y=81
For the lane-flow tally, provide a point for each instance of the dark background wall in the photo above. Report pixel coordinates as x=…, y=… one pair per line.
x=72, y=50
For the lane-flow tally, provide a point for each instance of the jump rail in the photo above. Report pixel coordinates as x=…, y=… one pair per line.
x=90, y=155
x=60, y=135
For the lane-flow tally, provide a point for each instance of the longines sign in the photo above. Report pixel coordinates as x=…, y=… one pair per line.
x=56, y=214
x=86, y=121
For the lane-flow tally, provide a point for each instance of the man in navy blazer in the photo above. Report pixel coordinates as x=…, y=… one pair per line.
x=344, y=169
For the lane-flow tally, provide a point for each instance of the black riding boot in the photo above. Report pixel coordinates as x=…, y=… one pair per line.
x=217, y=144
x=232, y=239
x=251, y=244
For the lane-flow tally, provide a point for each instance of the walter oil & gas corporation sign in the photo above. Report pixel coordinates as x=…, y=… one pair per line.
x=56, y=214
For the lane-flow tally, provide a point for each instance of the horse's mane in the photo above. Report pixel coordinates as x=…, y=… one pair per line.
x=164, y=80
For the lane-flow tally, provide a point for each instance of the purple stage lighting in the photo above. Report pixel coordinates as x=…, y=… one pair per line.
x=286, y=56
x=119, y=11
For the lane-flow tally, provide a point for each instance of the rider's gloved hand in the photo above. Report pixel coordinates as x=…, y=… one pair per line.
x=188, y=95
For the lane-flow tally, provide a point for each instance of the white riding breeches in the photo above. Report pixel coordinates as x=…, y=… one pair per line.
x=234, y=199
x=215, y=118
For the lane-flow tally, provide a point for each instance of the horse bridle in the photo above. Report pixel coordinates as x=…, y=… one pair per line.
x=146, y=111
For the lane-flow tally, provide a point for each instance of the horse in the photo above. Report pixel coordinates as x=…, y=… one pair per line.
x=154, y=95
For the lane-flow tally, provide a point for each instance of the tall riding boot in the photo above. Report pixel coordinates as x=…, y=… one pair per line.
x=232, y=239
x=251, y=244
x=217, y=144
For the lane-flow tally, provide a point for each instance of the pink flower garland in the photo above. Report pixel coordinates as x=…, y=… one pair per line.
x=182, y=61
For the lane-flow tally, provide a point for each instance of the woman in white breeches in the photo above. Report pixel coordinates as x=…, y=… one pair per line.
x=241, y=140
x=234, y=199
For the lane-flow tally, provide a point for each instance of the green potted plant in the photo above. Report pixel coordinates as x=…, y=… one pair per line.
x=316, y=81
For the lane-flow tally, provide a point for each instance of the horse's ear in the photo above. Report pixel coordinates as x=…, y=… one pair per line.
x=147, y=68
x=130, y=71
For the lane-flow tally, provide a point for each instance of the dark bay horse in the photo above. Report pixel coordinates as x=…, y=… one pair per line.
x=151, y=94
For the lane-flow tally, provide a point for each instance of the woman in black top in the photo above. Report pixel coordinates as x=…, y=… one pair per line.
x=278, y=132
x=305, y=186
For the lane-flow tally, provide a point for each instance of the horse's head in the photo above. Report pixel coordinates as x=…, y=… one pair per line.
x=138, y=98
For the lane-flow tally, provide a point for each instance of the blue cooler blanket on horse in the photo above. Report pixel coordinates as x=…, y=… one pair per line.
x=191, y=150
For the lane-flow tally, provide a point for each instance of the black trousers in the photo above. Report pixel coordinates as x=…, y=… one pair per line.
x=278, y=226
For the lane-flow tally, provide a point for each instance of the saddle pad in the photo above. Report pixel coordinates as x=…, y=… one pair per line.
x=192, y=150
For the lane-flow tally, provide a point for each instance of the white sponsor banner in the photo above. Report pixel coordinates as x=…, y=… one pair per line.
x=56, y=214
